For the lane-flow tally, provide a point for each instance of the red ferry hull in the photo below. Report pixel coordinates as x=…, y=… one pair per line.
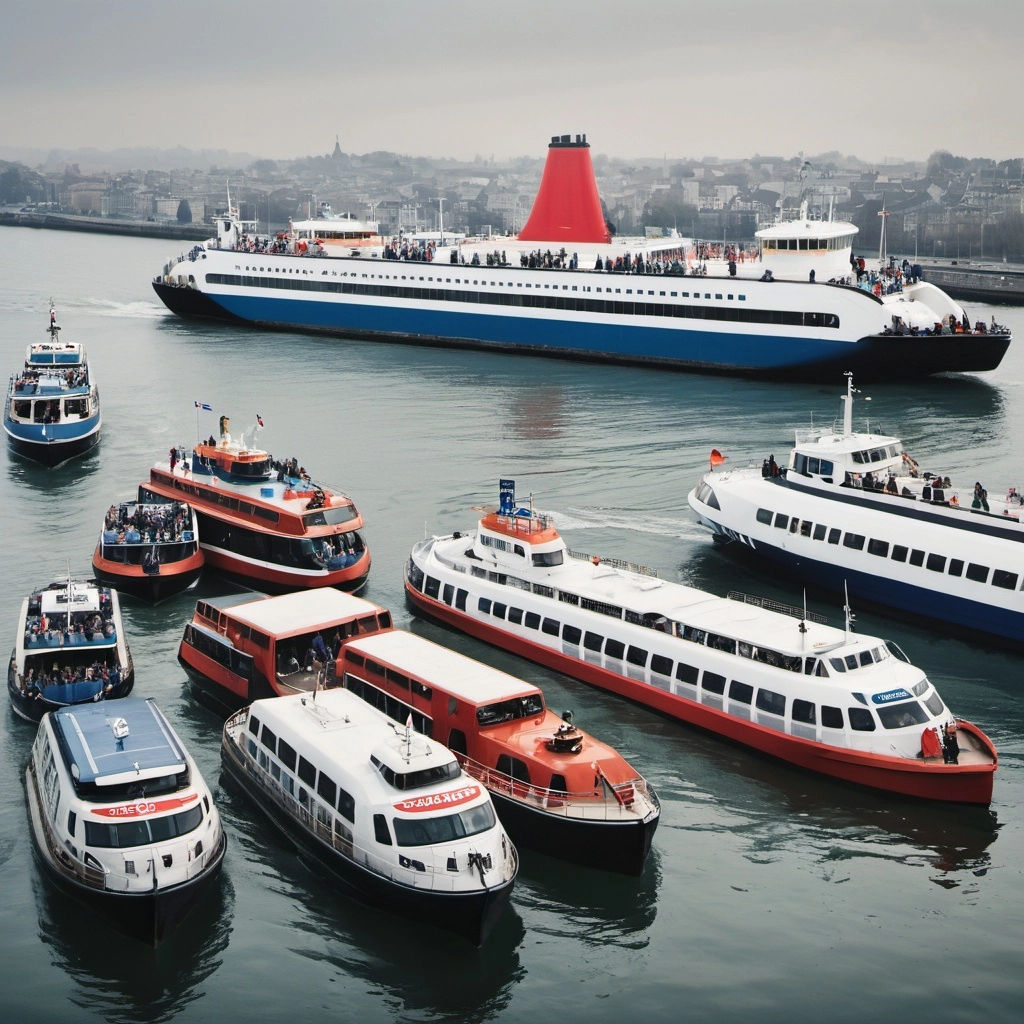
x=172, y=579
x=278, y=579
x=969, y=784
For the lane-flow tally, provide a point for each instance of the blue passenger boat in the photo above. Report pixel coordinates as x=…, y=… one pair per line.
x=52, y=412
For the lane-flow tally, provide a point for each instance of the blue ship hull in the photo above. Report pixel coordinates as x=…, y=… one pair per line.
x=62, y=443
x=679, y=347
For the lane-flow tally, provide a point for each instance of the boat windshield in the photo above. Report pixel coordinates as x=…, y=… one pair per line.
x=443, y=828
x=548, y=558
x=509, y=710
x=142, y=831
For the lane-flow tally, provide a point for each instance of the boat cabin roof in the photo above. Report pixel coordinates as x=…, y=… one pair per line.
x=829, y=444
x=445, y=670
x=320, y=608
x=117, y=741
x=808, y=229
x=83, y=597
x=46, y=353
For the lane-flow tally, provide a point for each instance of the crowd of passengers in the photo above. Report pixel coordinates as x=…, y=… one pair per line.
x=28, y=380
x=139, y=524
x=33, y=683
x=947, y=325
x=80, y=627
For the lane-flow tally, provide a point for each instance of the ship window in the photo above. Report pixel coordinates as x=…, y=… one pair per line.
x=661, y=664
x=878, y=547
x=571, y=634
x=286, y=752
x=899, y=552
x=831, y=718
x=1003, y=578
x=531, y=620
x=764, y=515
x=854, y=540
x=805, y=528
x=448, y=593
x=254, y=725
x=722, y=643
x=861, y=720
x=269, y=740
x=142, y=831
x=355, y=658
x=515, y=615
x=916, y=556
x=693, y=634
x=433, y=587
x=545, y=558
x=937, y=563
x=398, y=678
x=498, y=610
x=768, y=700
x=551, y=627
x=72, y=822
x=712, y=682
x=803, y=710
x=978, y=573
x=327, y=788
x=614, y=648
x=483, y=604
x=380, y=830
x=834, y=535
x=838, y=664
x=742, y=692
x=686, y=673
x=956, y=567
x=346, y=805
x=899, y=716
x=934, y=705
x=460, y=599
x=422, y=831
x=593, y=641
x=637, y=656
x=819, y=531
x=307, y=772
x=826, y=466
x=781, y=521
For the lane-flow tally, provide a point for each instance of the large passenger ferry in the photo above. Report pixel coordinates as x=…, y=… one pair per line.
x=565, y=287
x=853, y=509
x=387, y=811
x=278, y=530
x=70, y=649
x=121, y=818
x=237, y=650
x=557, y=789
x=773, y=678
x=52, y=412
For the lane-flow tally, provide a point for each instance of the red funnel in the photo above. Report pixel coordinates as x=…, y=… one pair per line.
x=567, y=207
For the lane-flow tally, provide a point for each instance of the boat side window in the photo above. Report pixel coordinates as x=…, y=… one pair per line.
x=977, y=573
x=899, y=716
x=781, y=521
x=803, y=710
x=72, y=823
x=800, y=463
x=551, y=627
x=819, y=531
x=327, y=788
x=764, y=515
x=483, y=604
x=956, y=567
x=661, y=664
x=741, y=692
x=545, y=558
x=827, y=467
x=693, y=634
x=414, y=574
x=637, y=656
x=593, y=641
x=269, y=740
x=307, y=772
x=810, y=664
x=899, y=552
x=712, y=682
x=861, y=720
x=768, y=700
x=860, y=457
x=380, y=830
x=396, y=677
x=934, y=705
x=831, y=718
x=531, y=620
x=854, y=540
x=821, y=670
x=687, y=673
x=834, y=535
x=1003, y=578
x=722, y=643
x=572, y=634
x=254, y=725
x=878, y=547
x=518, y=549
x=805, y=528
x=286, y=752
x=937, y=563
x=432, y=587
x=794, y=525
x=916, y=556
x=515, y=615
x=460, y=599
x=498, y=610
x=866, y=658
x=448, y=593
x=614, y=649
x=838, y=664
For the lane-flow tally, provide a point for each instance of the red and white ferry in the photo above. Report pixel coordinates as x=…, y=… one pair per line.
x=775, y=679
x=280, y=531
x=237, y=650
x=557, y=789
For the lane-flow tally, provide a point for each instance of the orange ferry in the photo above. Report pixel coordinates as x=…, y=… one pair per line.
x=277, y=530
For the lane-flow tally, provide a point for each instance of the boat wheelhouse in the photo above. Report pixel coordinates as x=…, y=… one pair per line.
x=853, y=510
x=557, y=789
x=52, y=411
x=150, y=551
x=775, y=679
x=70, y=649
x=237, y=650
x=279, y=532
x=121, y=818
x=564, y=287
x=387, y=811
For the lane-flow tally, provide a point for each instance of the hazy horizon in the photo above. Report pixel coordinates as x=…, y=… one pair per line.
x=460, y=79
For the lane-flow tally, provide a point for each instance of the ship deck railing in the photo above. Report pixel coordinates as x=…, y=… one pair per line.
x=614, y=563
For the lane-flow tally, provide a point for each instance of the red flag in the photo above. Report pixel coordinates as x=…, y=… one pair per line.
x=717, y=458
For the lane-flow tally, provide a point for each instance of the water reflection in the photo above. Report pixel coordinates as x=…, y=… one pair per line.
x=56, y=482
x=536, y=412
x=119, y=979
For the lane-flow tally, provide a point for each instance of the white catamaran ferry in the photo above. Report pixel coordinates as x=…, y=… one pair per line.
x=566, y=287
x=776, y=679
x=388, y=811
x=121, y=818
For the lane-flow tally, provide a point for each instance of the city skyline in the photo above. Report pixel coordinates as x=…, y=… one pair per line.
x=683, y=79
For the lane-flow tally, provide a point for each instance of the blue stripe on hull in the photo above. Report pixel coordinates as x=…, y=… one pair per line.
x=972, y=616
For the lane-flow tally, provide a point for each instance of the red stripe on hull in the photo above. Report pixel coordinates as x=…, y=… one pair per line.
x=955, y=783
x=351, y=578
x=173, y=578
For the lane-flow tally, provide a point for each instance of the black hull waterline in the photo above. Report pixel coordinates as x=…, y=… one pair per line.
x=55, y=453
x=152, y=589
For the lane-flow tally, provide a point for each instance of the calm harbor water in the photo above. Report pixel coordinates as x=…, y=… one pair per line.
x=769, y=893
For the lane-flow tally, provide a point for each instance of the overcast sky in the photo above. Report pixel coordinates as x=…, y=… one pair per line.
x=682, y=78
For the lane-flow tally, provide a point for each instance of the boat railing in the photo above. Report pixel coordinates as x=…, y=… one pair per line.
x=602, y=803
x=614, y=563
x=808, y=435
x=448, y=562
x=777, y=606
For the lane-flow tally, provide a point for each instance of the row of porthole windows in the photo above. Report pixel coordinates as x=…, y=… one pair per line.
x=973, y=571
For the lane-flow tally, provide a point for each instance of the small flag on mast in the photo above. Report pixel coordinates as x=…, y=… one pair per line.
x=716, y=459
x=203, y=405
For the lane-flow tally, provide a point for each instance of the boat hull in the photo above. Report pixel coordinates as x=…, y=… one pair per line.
x=172, y=579
x=472, y=915
x=279, y=579
x=32, y=709
x=217, y=687
x=970, y=784
x=147, y=916
x=55, y=451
